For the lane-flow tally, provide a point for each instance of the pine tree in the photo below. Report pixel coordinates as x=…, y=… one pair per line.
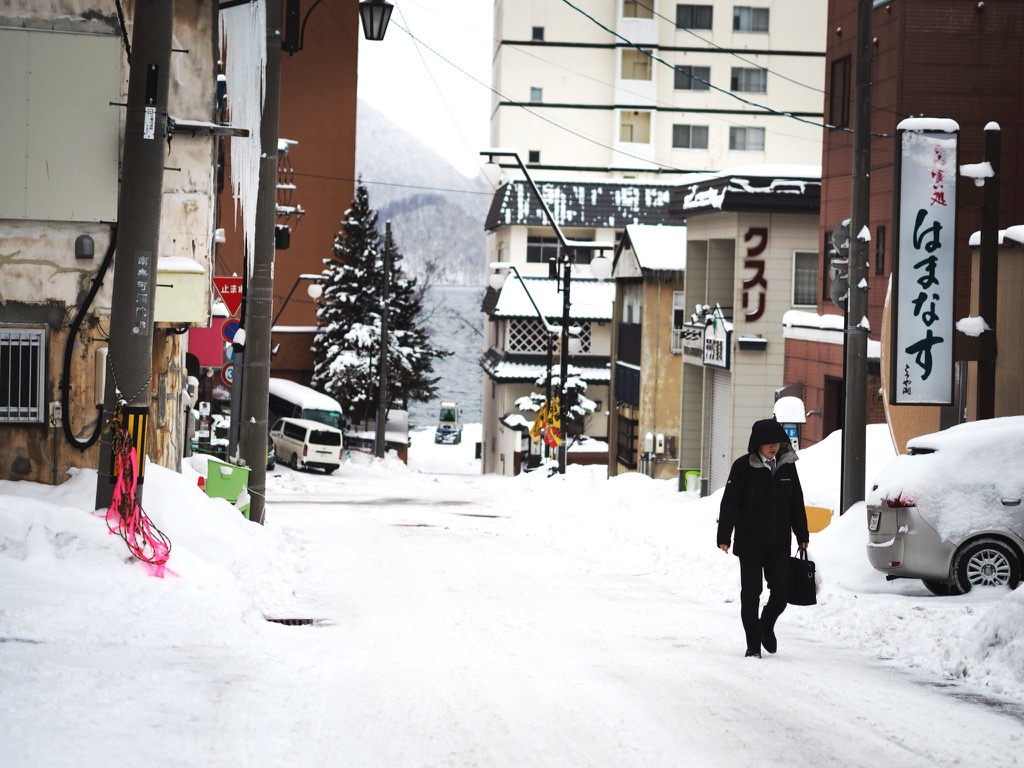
x=346, y=347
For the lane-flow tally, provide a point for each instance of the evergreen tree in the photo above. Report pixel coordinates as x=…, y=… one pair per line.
x=346, y=347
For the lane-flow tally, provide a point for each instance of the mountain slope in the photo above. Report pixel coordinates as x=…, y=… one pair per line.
x=436, y=213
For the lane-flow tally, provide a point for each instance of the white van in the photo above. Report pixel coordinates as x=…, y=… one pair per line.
x=302, y=443
x=294, y=400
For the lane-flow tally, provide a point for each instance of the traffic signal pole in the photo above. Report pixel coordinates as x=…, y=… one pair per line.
x=130, y=359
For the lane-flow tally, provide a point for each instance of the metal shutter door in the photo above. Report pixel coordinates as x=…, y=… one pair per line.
x=719, y=460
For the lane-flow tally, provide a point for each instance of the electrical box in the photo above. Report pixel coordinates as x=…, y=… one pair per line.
x=182, y=292
x=659, y=443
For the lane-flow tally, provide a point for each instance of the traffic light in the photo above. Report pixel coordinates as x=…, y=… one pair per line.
x=839, y=261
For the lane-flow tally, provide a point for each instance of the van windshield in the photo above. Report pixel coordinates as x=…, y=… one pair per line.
x=324, y=437
x=448, y=414
x=330, y=418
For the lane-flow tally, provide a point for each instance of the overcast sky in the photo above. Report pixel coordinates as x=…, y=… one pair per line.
x=423, y=90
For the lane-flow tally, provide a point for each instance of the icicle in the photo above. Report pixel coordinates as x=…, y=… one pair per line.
x=244, y=49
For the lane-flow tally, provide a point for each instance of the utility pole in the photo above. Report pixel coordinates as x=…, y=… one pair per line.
x=380, y=445
x=259, y=299
x=988, y=276
x=140, y=197
x=856, y=347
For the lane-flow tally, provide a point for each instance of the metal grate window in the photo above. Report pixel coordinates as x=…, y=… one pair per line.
x=529, y=337
x=22, y=371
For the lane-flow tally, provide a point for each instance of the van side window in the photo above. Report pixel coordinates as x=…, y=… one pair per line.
x=294, y=431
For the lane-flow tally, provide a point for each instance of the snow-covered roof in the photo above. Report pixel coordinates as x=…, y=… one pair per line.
x=513, y=371
x=589, y=299
x=795, y=188
x=579, y=204
x=1012, y=237
x=657, y=248
x=302, y=395
x=179, y=264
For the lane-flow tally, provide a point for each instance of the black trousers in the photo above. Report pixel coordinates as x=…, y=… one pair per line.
x=773, y=564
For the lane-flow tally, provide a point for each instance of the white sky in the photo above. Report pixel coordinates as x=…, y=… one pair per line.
x=422, y=92
x=478, y=620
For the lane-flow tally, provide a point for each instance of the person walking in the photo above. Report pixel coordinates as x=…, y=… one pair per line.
x=762, y=508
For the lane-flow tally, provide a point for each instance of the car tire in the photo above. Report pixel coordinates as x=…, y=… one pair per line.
x=986, y=563
x=294, y=463
x=941, y=588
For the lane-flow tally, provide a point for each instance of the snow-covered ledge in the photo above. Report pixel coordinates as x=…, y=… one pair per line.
x=800, y=325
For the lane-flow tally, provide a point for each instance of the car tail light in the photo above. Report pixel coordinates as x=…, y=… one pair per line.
x=305, y=451
x=899, y=502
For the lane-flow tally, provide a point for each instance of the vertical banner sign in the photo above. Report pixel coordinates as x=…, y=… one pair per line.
x=922, y=348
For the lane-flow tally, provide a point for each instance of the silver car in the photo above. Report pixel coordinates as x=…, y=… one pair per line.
x=949, y=511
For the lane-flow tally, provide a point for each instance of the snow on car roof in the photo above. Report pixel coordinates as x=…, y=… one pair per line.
x=960, y=475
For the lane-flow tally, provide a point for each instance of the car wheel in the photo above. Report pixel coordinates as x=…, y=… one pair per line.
x=294, y=463
x=986, y=563
x=941, y=588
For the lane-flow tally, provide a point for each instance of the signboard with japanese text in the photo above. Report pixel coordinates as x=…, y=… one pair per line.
x=717, y=342
x=922, y=336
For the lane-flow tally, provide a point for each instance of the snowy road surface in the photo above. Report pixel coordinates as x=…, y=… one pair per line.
x=457, y=642
x=455, y=629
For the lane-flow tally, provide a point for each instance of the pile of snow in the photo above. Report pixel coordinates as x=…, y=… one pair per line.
x=69, y=584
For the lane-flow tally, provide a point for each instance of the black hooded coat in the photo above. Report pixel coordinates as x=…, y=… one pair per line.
x=759, y=509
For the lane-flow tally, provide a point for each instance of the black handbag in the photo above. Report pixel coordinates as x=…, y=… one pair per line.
x=802, y=589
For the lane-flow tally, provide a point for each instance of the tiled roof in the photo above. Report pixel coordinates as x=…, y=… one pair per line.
x=604, y=204
x=510, y=369
x=779, y=188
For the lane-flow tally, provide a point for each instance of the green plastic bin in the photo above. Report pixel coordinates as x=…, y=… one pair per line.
x=226, y=481
x=691, y=480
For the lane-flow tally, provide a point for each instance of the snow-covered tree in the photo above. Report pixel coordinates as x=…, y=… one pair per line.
x=346, y=347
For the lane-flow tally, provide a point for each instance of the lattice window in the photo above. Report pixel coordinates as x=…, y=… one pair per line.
x=529, y=337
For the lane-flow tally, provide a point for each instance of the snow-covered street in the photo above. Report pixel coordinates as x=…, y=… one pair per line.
x=460, y=620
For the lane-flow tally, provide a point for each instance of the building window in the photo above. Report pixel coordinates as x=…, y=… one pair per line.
x=536, y=94
x=693, y=16
x=533, y=156
x=746, y=80
x=805, y=279
x=679, y=320
x=626, y=442
x=636, y=65
x=635, y=127
x=538, y=33
x=839, y=94
x=632, y=9
x=692, y=78
x=746, y=139
x=746, y=19
x=689, y=137
x=880, y=251
x=540, y=250
x=22, y=374
x=528, y=336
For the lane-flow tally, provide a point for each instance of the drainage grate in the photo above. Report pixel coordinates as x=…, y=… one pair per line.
x=299, y=622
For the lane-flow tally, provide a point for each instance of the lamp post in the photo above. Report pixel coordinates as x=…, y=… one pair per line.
x=380, y=446
x=568, y=248
x=259, y=298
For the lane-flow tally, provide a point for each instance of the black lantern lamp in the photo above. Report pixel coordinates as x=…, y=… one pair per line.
x=375, y=15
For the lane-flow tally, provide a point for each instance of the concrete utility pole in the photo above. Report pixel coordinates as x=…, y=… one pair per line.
x=259, y=299
x=563, y=365
x=856, y=347
x=988, y=276
x=380, y=444
x=139, y=200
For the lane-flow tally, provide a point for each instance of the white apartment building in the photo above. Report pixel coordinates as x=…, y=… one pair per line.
x=628, y=98
x=633, y=88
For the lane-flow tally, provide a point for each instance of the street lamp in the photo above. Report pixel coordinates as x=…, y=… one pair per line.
x=374, y=14
x=314, y=291
x=492, y=171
